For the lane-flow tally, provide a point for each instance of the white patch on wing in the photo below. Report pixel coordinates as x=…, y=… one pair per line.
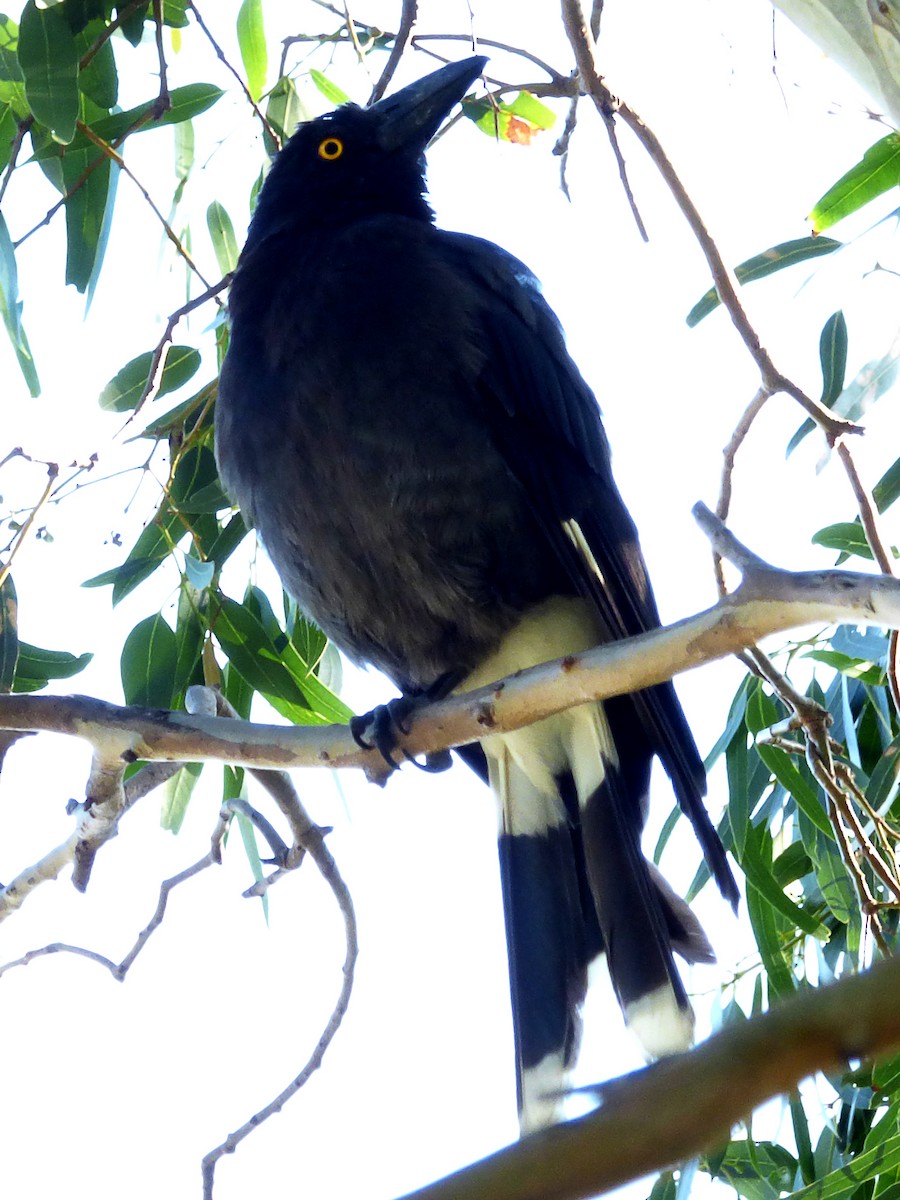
x=573, y=529
x=660, y=1024
x=523, y=764
x=541, y=1085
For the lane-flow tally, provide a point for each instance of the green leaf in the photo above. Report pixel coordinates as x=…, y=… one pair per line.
x=148, y=663
x=177, y=795
x=103, y=236
x=224, y=242
x=227, y=542
x=329, y=90
x=256, y=650
x=771, y=931
x=175, y=14
x=48, y=57
x=757, y=1170
x=887, y=489
x=252, y=42
x=189, y=634
x=284, y=112
x=802, y=1139
x=833, y=359
x=184, y=159
x=884, y=780
x=10, y=71
x=798, y=783
x=36, y=667
x=186, y=102
x=834, y=881
x=99, y=81
x=320, y=698
x=846, y=536
x=786, y=254
x=877, y=172
x=791, y=864
x=133, y=25
x=756, y=863
x=518, y=122
x=9, y=634
x=11, y=310
x=842, y=1183
x=248, y=837
x=738, y=768
x=125, y=388
x=854, y=668
x=86, y=210
x=735, y=721
x=195, y=470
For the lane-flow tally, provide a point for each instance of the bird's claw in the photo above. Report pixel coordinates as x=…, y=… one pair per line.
x=378, y=729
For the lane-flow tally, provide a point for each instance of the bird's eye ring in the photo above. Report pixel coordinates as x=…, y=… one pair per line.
x=331, y=148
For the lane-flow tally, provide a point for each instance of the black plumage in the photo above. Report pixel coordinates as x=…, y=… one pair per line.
x=399, y=416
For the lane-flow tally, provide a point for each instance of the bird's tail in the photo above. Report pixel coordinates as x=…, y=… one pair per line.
x=575, y=883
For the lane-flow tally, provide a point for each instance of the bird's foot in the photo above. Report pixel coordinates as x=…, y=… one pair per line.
x=378, y=729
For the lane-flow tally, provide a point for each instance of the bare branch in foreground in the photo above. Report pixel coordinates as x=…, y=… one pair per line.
x=309, y=838
x=120, y=970
x=47, y=868
x=694, y=1098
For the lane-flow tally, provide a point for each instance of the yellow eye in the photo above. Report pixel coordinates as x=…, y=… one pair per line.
x=331, y=148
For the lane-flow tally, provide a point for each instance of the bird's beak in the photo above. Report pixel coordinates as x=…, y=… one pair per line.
x=410, y=118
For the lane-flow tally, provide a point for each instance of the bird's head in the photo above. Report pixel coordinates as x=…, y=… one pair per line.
x=361, y=161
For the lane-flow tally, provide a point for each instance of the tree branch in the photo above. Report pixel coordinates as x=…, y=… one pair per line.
x=694, y=1098
x=768, y=601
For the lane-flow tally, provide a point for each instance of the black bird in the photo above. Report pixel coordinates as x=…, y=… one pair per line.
x=400, y=418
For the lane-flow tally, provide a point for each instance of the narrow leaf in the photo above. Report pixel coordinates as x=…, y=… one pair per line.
x=125, y=388
x=11, y=310
x=9, y=634
x=887, y=489
x=36, y=666
x=786, y=254
x=833, y=359
x=224, y=242
x=186, y=102
x=177, y=795
x=845, y=1181
x=329, y=90
x=877, y=172
x=148, y=663
x=252, y=42
x=48, y=57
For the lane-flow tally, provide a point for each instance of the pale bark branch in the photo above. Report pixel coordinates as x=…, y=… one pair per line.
x=769, y=601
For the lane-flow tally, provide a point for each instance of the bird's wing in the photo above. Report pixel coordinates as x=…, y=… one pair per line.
x=546, y=422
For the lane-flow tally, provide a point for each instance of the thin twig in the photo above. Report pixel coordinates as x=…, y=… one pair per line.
x=401, y=37
x=22, y=531
x=122, y=14
x=170, y=233
x=585, y=50
x=119, y=970
x=310, y=838
x=15, y=146
x=558, y=77
x=163, y=101
x=220, y=53
x=160, y=354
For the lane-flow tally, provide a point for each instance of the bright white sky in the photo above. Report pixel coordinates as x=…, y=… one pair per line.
x=120, y=1089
